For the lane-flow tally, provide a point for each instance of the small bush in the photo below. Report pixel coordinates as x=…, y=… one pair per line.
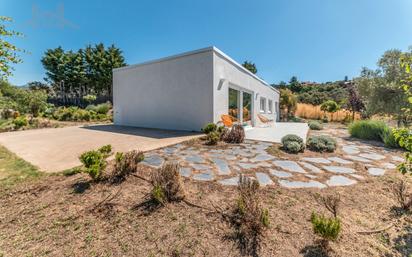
x=212, y=138
x=327, y=228
x=208, y=128
x=295, y=119
x=314, y=125
x=321, y=144
x=368, y=129
x=126, y=164
x=236, y=135
x=103, y=108
x=20, y=122
x=94, y=161
x=292, y=144
x=402, y=196
x=250, y=218
x=106, y=149
x=388, y=138
x=167, y=184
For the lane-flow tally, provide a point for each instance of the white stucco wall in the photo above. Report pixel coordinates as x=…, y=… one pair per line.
x=237, y=78
x=173, y=93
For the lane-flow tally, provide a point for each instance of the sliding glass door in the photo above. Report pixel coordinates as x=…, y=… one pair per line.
x=234, y=102
x=240, y=106
x=247, y=108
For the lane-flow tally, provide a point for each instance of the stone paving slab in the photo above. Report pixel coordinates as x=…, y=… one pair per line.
x=224, y=166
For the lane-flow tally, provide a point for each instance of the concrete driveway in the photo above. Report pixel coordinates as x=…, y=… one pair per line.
x=57, y=149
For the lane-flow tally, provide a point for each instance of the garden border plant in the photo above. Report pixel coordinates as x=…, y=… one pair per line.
x=321, y=143
x=94, y=162
x=292, y=143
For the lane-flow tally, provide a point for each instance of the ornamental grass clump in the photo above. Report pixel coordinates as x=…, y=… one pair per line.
x=250, y=218
x=126, y=164
x=321, y=144
x=292, y=144
x=94, y=162
x=167, y=184
x=236, y=135
x=368, y=129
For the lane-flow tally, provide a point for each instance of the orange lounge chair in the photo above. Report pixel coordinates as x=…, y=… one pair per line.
x=227, y=120
x=264, y=120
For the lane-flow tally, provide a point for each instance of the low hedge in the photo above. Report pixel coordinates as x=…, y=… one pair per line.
x=368, y=129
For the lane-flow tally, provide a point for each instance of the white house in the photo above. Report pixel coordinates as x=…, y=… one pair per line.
x=188, y=90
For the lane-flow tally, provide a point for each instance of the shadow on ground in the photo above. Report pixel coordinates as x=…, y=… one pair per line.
x=403, y=243
x=144, y=132
x=315, y=250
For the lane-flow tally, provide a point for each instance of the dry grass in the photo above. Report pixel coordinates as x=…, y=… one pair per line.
x=46, y=218
x=126, y=164
x=308, y=111
x=403, y=197
x=249, y=218
x=167, y=184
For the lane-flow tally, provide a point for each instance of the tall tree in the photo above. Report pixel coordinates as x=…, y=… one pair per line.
x=288, y=103
x=83, y=72
x=295, y=85
x=9, y=53
x=381, y=89
x=250, y=66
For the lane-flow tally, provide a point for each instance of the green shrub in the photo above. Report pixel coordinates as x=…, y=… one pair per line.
x=367, y=129
x=327, y=228
x=321, y=144
x=295, y=119
x=388, y=138
x=94, y=161
x=329, y=106
x=106, y=149
x=315, y=125
x=208, y=128
x=20, y=122
x=91, y=107
x=212, y=138
x=89, y=98
x=404, y=138
x=293, y=143
x=103, y=108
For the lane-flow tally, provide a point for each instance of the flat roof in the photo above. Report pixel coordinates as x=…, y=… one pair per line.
x=202, y=50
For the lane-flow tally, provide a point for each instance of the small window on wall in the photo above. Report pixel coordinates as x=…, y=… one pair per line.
x=262, y=104
x=270, y=106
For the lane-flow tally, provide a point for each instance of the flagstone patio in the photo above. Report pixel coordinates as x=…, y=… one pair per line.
x=353, y=162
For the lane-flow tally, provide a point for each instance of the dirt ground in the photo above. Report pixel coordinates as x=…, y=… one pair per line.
x=69, y=216
x=64, y=216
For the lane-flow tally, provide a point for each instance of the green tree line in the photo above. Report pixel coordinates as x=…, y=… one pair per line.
x=82, y=72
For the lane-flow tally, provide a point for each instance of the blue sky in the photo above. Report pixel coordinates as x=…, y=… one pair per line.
x=316, y=40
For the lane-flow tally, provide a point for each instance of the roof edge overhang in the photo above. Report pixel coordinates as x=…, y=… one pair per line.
x=202, y=50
